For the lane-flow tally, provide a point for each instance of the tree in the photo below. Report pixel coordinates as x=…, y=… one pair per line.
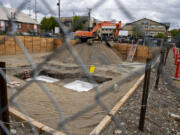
x=136, y=31
x=77, y=23
x=49, y=24
x=161, y=35
x=175, y=32
x=176, y=36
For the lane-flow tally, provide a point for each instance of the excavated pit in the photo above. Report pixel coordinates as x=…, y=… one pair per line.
x=66, y=77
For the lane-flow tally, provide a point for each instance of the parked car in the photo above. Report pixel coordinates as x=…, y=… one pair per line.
x=48, y=35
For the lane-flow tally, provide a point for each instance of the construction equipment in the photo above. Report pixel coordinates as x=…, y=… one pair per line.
x=84, y=36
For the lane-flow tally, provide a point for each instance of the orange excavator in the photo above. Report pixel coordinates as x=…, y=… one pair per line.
x=85, y=35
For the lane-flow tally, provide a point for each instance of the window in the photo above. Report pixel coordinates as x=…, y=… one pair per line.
x=152, y=34
x=2, y=25
x=35, y=27
x=146, y=26
x=152, y=27
x=145, y=23
x=19, y=26
x=160, y=27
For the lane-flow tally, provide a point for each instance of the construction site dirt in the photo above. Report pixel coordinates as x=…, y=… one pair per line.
x=109, y=68
x=161, y=103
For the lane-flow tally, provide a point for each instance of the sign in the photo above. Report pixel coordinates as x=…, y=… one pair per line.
x=123, y=33
x=56, y=30
x=92, y=69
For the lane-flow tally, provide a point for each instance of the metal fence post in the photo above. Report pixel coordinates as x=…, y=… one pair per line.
x=24, y=43
x=15, y=45
x=46, y=44
x=32, y=45
x=167, y=53
x=145, y=93
x=4, y=116
x=159, y=68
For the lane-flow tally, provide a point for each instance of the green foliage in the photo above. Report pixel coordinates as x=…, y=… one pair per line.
x=175, y=32
x=136, y=31
x=161, y=35
x=49, y=24
x=114, y=30
x=77, y=24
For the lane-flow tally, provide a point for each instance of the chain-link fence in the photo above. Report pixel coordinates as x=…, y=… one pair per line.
x=36, y=70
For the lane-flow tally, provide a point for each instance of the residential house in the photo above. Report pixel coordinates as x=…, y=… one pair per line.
x=23, y=23
x=147, y=27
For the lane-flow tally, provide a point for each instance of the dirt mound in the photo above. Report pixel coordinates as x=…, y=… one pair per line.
x=91, y=54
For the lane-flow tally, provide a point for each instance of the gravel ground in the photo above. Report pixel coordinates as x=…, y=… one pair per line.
x=161, y=102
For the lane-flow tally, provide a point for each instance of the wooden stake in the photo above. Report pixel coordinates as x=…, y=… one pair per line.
x=4, y=116
x=41, y=127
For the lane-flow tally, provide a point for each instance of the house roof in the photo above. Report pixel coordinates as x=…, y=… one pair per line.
x=167, y=25
x=19, y=16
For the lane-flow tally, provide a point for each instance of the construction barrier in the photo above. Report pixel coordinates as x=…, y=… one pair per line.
x=174, y=50
x=177, y=66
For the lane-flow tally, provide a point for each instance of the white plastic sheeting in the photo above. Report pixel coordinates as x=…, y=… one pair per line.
x=45, y=79
x=80, y=86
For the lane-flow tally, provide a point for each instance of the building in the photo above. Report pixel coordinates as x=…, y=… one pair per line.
x=24, y=23
x=148, y=27
x=68, y=22
x=107, y=31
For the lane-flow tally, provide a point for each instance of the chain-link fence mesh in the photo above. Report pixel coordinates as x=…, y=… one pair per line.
x=36, y=68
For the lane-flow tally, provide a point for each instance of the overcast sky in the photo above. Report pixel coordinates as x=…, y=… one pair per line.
x=158, y=10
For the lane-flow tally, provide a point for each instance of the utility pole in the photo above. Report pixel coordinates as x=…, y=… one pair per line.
x=59, y=12
x=35, y=9
x=74, y=13
x=29, y=7
x=89, y=14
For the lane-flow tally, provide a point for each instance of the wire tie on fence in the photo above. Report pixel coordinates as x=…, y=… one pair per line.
x=109, y=114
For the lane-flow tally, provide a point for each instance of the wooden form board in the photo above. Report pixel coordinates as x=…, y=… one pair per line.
x=107, y=119
x=143, y=52
x=41, y=127
x=8, y=46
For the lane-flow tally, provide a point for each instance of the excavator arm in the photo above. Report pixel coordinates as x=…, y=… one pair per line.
x=118, y=27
